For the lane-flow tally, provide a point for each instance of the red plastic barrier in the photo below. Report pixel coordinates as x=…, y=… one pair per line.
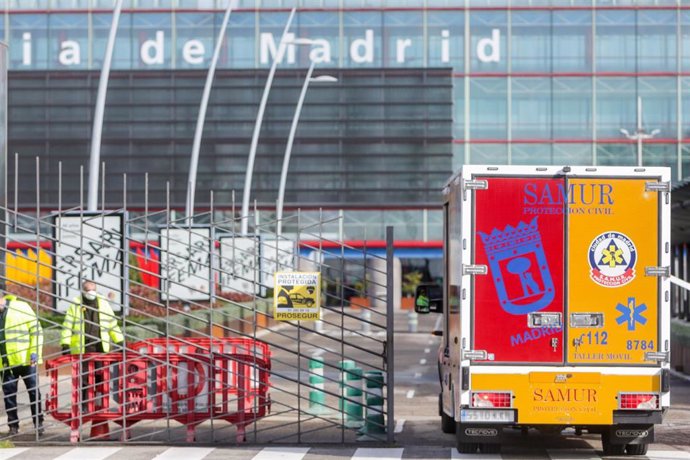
x=230, y=345
x=188, y=388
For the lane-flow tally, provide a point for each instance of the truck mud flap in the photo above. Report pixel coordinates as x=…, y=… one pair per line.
x=481, y=434
x=631, y=434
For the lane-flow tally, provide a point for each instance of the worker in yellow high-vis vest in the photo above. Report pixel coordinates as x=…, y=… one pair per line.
x=90, y=325
x=21, y=344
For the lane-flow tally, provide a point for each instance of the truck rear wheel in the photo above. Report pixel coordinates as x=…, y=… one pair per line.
x=467, y=447
x=609, y=448
x=636, y=449
x=490, y=448
x=447, y=423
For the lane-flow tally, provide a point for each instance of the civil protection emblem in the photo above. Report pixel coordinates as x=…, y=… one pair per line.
x=519, y=268
x=612, y=257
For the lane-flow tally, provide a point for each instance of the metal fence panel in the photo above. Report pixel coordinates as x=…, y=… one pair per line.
x=203, y=360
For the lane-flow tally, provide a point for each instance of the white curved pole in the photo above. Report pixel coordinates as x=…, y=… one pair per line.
x=95, y=157
x=288, y=151
x=257, y=127
x=196, y=146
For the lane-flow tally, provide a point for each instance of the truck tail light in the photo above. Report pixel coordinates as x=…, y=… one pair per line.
x=490, y=399
x=638, y=401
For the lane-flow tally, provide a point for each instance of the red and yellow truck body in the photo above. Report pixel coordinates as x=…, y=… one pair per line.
x=556, y=303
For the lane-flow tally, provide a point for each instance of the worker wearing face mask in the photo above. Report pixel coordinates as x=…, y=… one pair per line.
x=90, y=326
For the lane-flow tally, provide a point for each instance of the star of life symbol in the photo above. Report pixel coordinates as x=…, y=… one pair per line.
x=612, y=257
x=631, y=314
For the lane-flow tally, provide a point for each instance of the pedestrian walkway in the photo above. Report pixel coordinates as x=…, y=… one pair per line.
x=301, y=453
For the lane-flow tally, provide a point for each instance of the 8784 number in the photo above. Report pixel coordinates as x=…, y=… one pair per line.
x=640, y=344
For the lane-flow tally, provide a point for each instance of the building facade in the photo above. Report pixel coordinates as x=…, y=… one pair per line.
x=421, y=91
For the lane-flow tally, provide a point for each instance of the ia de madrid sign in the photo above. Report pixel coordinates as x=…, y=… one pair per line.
x=194, y=52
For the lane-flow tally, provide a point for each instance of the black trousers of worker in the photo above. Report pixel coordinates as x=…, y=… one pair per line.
x=10, y=386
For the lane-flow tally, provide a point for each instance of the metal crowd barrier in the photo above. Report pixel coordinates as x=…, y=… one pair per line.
x=190, y=386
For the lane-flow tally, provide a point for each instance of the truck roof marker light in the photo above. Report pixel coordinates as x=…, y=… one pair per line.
x=591, y=169
x=637, y=401
x=492, y=399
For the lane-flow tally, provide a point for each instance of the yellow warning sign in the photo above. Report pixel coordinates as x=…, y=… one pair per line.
x=297, y=296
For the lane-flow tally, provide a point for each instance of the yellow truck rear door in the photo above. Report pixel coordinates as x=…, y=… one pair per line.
x=612, y=236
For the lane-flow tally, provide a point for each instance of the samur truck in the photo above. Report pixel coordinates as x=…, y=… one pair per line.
x=555, y=304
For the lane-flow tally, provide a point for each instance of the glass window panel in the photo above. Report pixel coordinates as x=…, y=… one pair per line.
x=488, y=30
x=69, y=41
x=659, y=105
x=324, y=27
x=685, y=104
x=572, y=108
x=446, y=37
x=661, y=155
x=458, y=155
x=546, y=2
x=651, y=2
x=195, y=39
x=531, y=154
x=30, y=4
x=68, y=113
x=489, y=154
x=239, y=51
x=616, y=106
x=488, y=108
x=530, y=41
x=320, y=3
x=572, y=37
x=616, y=40
x=403, y=39
x=656, y=40
x=686, y=162
x=617, y=154
x=685, y=39
x=2, y=28
x=531, y=108
x=362, y=39
x=572, y=154
x=125, y=51
x=28, y=41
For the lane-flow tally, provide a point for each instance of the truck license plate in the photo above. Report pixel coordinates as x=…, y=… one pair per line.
x=486, y=416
